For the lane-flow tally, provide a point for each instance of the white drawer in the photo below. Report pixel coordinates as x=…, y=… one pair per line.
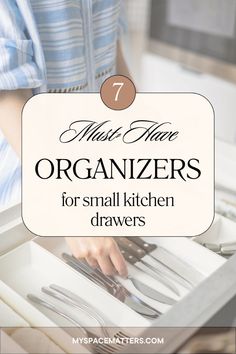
x=29, y=267
x=37, y=263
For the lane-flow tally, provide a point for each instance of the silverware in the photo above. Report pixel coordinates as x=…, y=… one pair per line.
x=160, y=297
x=116, y=283
x=180, y=271
x=151, y=293
x=113, y=286
x=147, y=290
x=99, y=348
x=56, y=310
x=223, y=249
x=228, y=248
x=92, y=274
x=66, y=296
x=96, y=281
x=128, y=253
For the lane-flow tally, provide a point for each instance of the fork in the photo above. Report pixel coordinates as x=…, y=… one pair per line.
x=66, y=296
x=99, y=348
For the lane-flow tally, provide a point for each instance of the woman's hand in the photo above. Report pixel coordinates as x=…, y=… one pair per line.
x=99, y=251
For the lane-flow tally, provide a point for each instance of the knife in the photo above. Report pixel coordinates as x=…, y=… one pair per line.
x=123, y=295
x=147, y=290
x=143, y=256
x=160, y=297
x=167, y=262
x=143, y=266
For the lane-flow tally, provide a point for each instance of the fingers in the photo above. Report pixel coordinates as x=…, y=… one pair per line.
x=99, y=251
x=92, y=262
x=118, y=261
x=106, y=265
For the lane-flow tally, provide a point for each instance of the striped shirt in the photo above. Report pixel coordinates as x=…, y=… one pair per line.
x=65, y=44
x=55, y=46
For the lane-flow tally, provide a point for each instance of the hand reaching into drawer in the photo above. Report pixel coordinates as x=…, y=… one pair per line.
x=102, y=251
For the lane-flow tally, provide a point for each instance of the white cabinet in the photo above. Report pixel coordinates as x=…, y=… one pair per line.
x=163, y=75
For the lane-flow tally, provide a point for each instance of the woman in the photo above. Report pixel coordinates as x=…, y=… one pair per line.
x=55, y=46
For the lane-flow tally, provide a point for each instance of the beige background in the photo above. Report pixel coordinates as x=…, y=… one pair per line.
x=45, y=117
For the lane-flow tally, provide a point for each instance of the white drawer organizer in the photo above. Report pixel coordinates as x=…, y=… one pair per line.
x=29, y=264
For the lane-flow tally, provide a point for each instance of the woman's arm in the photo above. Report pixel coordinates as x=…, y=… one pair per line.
x=11, y=104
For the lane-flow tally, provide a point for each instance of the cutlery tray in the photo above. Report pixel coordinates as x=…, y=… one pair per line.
x=193, y=254
x=223, y=231
x=30, y=267
x=36, y=263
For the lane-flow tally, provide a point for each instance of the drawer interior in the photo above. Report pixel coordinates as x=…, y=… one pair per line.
x=38, y=262
x=192, y=254
x=13, y=234
x=222, y=231
x=30, y=267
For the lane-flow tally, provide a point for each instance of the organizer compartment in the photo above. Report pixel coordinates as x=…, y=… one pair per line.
x=29, y=267
x=186, y=250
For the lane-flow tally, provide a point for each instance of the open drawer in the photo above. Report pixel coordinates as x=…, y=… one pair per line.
x=192, y=254
x=38, y=262
x=29, y=267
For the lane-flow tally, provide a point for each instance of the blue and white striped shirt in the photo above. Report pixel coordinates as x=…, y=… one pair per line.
x=65, y=44
x=55, y=46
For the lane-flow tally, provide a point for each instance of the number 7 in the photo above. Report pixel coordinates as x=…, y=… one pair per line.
x=120, y=84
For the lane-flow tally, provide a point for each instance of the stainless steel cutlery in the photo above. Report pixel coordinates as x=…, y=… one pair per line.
x=155, y=261
x=52, y=307
x=144, y=266
x=69, y=298
x=155, y=294
x=96, y=348
x=148, y=258
x=169, y=264
x=113, y=286
x=225, y=249
x=134, y=261
x=151, y=293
